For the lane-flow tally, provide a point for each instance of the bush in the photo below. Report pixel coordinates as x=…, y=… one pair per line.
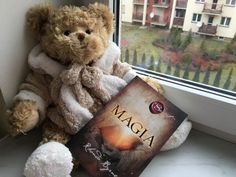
x=186, y=58
x=214, y=54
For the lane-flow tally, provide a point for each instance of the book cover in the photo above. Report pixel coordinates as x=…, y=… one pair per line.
x=123, y=137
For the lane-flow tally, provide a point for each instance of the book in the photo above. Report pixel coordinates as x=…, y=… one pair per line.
x=124, y=136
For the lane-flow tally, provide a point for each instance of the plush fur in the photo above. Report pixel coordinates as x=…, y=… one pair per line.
x=74, y=70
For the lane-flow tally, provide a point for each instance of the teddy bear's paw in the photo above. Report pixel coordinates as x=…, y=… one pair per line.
x=178, y=137
x=23, y=117
x=91, y=76
x=51, y=132
x=153, y=83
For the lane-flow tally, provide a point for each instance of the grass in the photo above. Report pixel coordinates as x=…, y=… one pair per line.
x=139, y=38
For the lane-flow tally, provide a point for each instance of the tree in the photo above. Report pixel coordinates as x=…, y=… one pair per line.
x=135, y=58
x=186, y=72
x=177, y=40
x=127, y=56
x=168, y=69
x=158, y=69
x=143, y=60
x=207, y=76
x=216, y=82
x=177, y=71
x=186, y=58
x=187, y=40
x=228, y=81
x=234, y=89
x=231, y=47
x=203, y=46
x=152, y=63
x=196, y=76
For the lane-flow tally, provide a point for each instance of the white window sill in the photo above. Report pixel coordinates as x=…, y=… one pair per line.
x=201, y=155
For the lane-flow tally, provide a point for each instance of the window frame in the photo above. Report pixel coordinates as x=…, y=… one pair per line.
x=198, y=18
x=230, y=3
x=200, y=1
x=195, y=97
x=225, y=21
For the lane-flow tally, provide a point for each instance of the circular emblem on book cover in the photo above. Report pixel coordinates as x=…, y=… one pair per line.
x=156, y=107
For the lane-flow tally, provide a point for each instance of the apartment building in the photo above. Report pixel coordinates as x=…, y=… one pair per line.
x=205, y=17
x=211, y=17
x=147, y=12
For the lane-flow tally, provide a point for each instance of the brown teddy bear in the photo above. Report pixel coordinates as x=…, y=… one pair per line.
x=68, y=35
x=74, y=58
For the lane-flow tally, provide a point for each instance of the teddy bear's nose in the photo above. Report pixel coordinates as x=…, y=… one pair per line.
x=81, y=36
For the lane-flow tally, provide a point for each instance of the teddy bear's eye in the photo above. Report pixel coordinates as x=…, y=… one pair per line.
x=67, y=32
x=88, y=31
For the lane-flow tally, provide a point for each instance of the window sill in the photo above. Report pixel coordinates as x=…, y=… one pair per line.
x=229, y=5
x=202, y=154
x=224, y=26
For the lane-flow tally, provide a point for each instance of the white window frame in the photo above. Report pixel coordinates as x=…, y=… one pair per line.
x=197, y=18
x=200, y=1
x=230, y=3
x=210, y=111
x=225, y=20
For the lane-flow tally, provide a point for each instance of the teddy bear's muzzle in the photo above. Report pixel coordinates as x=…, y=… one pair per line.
x=81, y=36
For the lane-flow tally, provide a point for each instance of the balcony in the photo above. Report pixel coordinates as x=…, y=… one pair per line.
x=178, y=22
x=160, y=4
x=181, y=4
x=212, y=8
x=159, y=21
x=138, y=2
x=137, y=17
x=208, y=30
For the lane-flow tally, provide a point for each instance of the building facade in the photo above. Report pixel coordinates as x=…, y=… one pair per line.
x=205, y=17
x=211, y=17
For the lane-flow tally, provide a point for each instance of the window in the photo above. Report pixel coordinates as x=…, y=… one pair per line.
x=196, y=17
x=225, y=21
x=198, y=70
x=200, y=1
x=179, y=13
x=230, y=2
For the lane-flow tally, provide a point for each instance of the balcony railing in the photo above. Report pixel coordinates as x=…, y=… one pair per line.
x=137, y=17
x=158, y=3
x=181, y=4
x=138, y=2
x=209, y=30
x=213, y=8
x=160, y=21
x=178, y=21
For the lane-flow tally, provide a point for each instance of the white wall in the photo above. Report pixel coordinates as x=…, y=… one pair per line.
x=15, y=43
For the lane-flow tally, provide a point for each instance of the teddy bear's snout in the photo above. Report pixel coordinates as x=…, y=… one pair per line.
x=81, y=36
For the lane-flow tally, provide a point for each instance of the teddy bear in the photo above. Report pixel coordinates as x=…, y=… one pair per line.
x=74, y=71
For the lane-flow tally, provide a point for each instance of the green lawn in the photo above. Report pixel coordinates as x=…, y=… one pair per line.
x=139, y=38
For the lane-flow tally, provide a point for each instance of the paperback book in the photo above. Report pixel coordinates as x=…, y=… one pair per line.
x=127, y=133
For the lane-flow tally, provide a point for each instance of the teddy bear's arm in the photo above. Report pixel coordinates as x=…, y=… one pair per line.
x=29, y=104
x=91, y=78
x=124, y=71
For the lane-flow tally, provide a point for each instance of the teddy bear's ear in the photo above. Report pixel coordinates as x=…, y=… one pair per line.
x=101, y=10
x=37, y=17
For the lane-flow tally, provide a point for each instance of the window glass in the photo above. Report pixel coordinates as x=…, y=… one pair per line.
x=164, y=39
x=230, y=2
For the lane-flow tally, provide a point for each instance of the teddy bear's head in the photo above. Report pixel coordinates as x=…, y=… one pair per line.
x=70, y=33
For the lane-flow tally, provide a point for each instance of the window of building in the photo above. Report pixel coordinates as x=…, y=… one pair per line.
x=200, y=1
x=230, y=2
x=180, y=13
x=196, y=17
x=225, y=21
